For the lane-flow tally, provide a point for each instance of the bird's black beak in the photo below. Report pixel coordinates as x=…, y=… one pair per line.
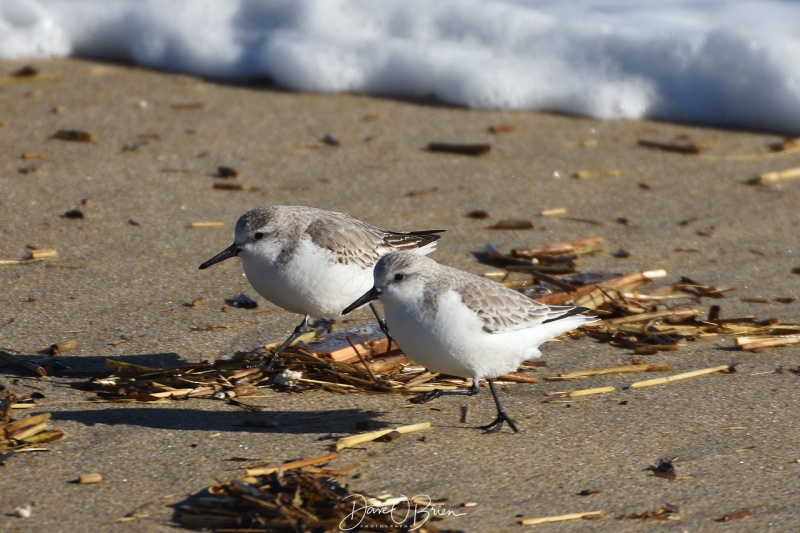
x=370, y=295
x=231, y=251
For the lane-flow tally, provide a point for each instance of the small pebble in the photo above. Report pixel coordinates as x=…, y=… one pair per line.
x=23, y=511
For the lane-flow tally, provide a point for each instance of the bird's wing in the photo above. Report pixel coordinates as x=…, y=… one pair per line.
x=503, y=309
x=353, y=242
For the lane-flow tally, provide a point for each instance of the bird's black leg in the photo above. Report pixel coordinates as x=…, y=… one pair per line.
x=432, y=395
x=501, y=414
x=384, y=327
x=267, y=362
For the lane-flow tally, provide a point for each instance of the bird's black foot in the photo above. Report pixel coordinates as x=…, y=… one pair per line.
x=502, y=417
x=268, y=361
x=426, y=397
x=497, y=424
x=435, y=393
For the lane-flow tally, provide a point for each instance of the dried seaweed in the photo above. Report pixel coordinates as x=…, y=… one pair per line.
x=646, y=321
x=298, y=370
x=286, y=501
x=25, y=433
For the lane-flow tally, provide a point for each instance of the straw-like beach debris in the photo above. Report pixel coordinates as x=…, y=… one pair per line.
x=682, y=146
x=63, y=346
x=578, y=393
x=207, y=224
x=502, y=128
x=554, y=212
x=422, y=192
x=665, y=512
x=587, y=515
x=752, y=344
x=43, y=253
x=282, y=500
x=622, y=369
x=682, y=376
x=769, y=178
x=90, y=479
x=292, y=465
x=26, y=433
x=18, y=262
x=355, y=440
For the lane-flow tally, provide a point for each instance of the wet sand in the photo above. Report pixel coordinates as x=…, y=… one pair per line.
x=126, y=272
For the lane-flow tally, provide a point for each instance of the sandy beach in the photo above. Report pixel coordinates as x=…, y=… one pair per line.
x=127, y=270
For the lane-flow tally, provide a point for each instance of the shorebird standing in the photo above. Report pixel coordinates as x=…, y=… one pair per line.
x=313, y=262
x=456, y=323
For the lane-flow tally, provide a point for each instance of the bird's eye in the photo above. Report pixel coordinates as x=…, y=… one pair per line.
x=258, y=235
x=399, y=277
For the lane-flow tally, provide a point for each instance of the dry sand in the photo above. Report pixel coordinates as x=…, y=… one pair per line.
x=128, y=269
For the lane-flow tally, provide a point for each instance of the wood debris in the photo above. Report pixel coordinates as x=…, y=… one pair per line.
x=478, y=213
x=26, y=74
x=205, y=224
x=587, y=515
x=30, y=168
x=682, y=376
x=226, y=172
x=554, y=212
x=292, y=465
x=751, y=344
x=74, y=136
x=32, y=367
x=665, y=512
x=355, y=440
x=345, y=346
x=422, y=192
x=646, y=320
x=63, y=346
x=579, y=393
x=769, y=178
x=42, y=253
x=622, y=369
x=597, y=173
x=738, y=515
x=583, y=246
x=681, y=145
x=512, y=224
x=90, y=479
x=73, y=214
x=228, y=186
x=284, y=500
x=502, y=128
x=26, y=432
x=461, y=149
x=299, y=369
